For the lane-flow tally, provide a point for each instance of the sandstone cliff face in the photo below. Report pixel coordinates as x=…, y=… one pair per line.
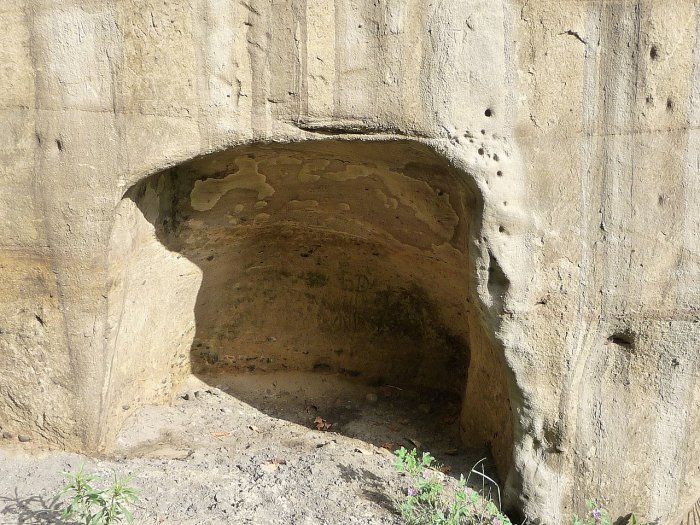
x=541, y=156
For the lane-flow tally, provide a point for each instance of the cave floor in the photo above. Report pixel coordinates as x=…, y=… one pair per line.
x=248, y=449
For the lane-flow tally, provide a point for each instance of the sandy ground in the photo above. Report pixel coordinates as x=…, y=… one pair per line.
x=247, y=450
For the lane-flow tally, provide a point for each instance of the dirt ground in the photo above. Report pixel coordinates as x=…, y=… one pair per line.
x=248, y=450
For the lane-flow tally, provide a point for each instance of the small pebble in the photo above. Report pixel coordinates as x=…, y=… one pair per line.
x=197, y=394
x=24, y=438
x=269, y=467
x=7, y=435
x=371, y=397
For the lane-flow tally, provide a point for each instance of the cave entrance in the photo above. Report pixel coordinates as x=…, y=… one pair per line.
x=294, y=275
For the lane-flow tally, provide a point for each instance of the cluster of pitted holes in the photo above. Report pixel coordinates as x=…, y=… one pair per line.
x=481, y=151
x=655, y=56
x=59, y=143
x=489, y=113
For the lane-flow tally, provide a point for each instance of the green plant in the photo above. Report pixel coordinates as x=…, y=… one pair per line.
x=93, y=503
x=596, y=514
x=632, y=520
x=428, y=500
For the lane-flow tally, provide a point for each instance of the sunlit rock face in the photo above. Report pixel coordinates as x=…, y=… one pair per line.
x=532, y=193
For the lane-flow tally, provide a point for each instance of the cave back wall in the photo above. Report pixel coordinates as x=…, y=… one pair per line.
x=568, y=129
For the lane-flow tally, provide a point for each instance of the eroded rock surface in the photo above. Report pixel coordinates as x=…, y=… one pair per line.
x=541, y=158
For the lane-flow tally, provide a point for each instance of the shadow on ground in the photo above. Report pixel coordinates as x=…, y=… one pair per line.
x=32, y=510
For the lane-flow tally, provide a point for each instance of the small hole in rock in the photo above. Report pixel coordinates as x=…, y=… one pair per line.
x=501, y=229
x=623, y=339
x=499, y=173
x=495, y=157
x=654, y=53
x=488, y=112
x=669, y=104
x=481, y=151
x=59, y=145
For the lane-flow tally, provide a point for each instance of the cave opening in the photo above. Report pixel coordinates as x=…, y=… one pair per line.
x=325, y=280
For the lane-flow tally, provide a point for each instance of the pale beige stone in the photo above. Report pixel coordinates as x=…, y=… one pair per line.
x=542, y=158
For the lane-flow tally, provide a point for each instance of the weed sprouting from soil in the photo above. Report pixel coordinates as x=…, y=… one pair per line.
x=428, y=500
x=597, y=514
x=92, y=503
